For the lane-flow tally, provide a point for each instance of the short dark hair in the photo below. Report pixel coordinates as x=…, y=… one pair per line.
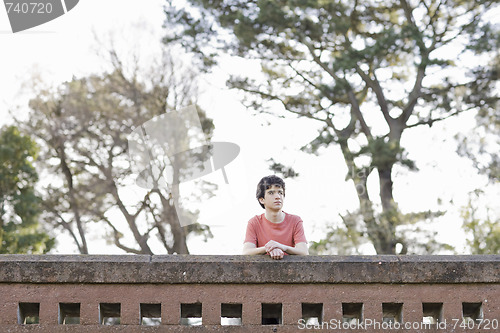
x=266, y=183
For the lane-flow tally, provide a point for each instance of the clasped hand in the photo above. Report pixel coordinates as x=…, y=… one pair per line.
x=276, y=250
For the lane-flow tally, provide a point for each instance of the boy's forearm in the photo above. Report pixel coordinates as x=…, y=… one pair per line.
x=297, y=250
x=254, y=251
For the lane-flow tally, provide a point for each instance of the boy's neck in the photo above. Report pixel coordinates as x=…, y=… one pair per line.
x=275, y=216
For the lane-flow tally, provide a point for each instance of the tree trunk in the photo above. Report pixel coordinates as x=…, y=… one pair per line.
x=390, y=217
x=178, y=232
x=380, y=237
x=142, y=240
x=68, y=174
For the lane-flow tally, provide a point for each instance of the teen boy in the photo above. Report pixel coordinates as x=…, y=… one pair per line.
x=275, y=232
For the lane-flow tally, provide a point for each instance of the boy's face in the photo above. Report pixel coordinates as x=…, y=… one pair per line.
x=273, y=198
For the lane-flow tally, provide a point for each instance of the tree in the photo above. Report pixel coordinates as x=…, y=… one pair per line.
x=367, y=71
x=19, y=205
x=483, y=232
x=482, y=146
x=83, y=127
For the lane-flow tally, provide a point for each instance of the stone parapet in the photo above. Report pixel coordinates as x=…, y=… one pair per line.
x=248, y=269
x=178, y=293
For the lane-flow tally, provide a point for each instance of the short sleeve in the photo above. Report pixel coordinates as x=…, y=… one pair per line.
x=251, y=235
x=298, y=234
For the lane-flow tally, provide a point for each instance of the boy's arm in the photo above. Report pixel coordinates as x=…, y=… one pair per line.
x=252, y=249
x=299, y=249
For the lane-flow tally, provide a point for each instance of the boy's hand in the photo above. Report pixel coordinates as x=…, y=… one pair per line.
x=271, y=245
x=276, y=253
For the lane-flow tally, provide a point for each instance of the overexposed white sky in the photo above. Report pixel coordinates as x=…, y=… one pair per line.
x=64, y=47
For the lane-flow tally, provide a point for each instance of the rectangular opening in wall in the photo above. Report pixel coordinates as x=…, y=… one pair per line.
x=392, y=312
x=432, y=312
x=109, y=313
x=352, y=313
x=191, y=314
x=150, y=314
x=69, y=313
x=28, y=313
x=230, y=314
x=312, y=313
x=272, y=314
x=472, y=311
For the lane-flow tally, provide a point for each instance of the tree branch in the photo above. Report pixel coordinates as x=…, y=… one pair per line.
x=161, y=229
x=72, y=196
x=430, y=122
x=352, y=97
x=66, y=225
x=374, y=84
x=117, y=237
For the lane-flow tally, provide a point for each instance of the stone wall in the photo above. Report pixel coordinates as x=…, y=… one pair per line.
x=53, y=293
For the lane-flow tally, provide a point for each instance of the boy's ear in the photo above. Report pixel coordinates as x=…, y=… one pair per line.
x=261, y=200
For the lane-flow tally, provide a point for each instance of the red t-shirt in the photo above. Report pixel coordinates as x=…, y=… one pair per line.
x=289, y=232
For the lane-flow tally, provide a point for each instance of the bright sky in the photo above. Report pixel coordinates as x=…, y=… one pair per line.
x=63, y=48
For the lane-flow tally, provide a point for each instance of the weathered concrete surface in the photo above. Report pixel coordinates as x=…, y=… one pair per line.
x=175, y=269
x=153, y=329
x=52, y=280
x=251, y=296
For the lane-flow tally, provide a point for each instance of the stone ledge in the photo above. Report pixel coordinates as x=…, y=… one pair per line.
x=194, y=269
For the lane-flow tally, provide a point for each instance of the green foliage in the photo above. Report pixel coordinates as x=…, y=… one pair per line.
x=347, y=239
x=337, y=241
x=385, y=154
x=482, y=146
x=19, y=205
x=352, y=235
x=279, y=168
x=483, y=233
